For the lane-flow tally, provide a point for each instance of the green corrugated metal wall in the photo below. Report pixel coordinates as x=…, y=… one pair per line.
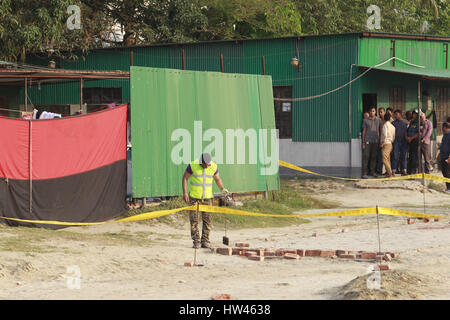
x=165, y=101
x=326, y=62
x=326, y=65
x=429, y=54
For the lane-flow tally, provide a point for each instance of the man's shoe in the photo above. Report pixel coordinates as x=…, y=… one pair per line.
x=365, y=176
x=404, y=173
x=206, y=245
x=196, y=245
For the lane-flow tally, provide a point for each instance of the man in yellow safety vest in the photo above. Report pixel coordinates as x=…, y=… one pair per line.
x=201, y=172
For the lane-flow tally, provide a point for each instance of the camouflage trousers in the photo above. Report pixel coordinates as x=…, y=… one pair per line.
x=206, y=221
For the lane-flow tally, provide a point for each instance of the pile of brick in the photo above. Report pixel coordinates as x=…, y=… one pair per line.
x=259, y=254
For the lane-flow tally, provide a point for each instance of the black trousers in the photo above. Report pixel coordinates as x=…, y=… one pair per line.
x=445, y=167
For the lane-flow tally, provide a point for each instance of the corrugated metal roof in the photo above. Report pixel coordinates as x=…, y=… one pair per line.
x=361, y=34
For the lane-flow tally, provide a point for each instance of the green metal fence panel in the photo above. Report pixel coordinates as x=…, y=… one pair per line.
x=177, y=114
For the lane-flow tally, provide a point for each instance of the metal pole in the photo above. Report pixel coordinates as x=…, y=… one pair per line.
x=195, y=248
x=131, y=58
x=26, y=95
x=30, y=164
x=81, y=95
x=350, y=115
x=379, y=238
x=419, y=152
x=221, y=62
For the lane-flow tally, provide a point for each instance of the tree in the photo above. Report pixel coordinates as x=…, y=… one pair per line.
x=243, y=19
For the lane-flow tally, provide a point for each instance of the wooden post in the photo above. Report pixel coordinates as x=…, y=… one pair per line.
x=264, y=65
x=183, y=60
x=221, y=62
x=131, y=58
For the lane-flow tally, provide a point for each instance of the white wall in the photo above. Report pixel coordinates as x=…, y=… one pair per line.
x=320, y=154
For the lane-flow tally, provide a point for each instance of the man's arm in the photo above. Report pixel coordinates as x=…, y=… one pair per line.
x=219, y=182
x=184, y=183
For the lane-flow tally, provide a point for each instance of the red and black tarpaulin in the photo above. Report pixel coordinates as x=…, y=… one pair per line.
x=71, y=169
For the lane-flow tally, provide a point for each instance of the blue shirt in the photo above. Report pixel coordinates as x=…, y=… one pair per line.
x=413, y=129
x=445, y=146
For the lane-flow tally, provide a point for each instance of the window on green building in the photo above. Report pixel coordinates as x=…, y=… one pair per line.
x=283, y=111
x=397, y=99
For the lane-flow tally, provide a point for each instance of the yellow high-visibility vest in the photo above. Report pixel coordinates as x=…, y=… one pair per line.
x=202, y=180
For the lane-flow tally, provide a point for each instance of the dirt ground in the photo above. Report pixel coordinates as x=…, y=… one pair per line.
x=146, y=260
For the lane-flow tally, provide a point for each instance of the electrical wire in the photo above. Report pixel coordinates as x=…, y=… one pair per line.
x=348, y=83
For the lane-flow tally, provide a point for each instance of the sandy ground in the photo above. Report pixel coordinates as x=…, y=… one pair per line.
x=146, y=261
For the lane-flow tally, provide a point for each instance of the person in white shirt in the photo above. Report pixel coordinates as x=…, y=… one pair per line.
x=387, y=138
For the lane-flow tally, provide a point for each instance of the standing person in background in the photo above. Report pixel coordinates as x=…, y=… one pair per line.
x=381, y=113
x=412, y=137
x=444, y=160
x=400, y=144
x=408, y=115
x=371, y=131
x=386, y=141
x=426, y=129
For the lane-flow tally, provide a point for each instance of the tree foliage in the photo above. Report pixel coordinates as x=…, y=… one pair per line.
x=40, y=26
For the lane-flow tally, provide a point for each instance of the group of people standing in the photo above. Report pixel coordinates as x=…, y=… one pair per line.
x=394, y=142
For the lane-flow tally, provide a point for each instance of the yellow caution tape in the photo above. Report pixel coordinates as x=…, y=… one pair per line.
x=213, y=209
x=411, y=176
x=154, y=214
x=350, y=212
x=138, y=217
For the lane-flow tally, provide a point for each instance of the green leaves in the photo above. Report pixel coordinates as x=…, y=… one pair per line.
x=40, y=26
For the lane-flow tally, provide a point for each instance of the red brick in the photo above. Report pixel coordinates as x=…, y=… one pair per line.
x=387, y=257
x=189, y=264
x=392, y=254
x=368, y=255
x=339, y=252
x=327, y=253
x=347, y=256
x=301, y=252
x=426, y=220
x=411, y=221
x=315, y=234
x=379, y=258
x=256, y=258
x=312, y=253
x=383, y=267
x=290, y=251
x=279, y=252
x=292, y=256
x=250, y=253
x=236, y=251
x=225, y=251
x=269, y=253
x=435, y=219
x=241, y=244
